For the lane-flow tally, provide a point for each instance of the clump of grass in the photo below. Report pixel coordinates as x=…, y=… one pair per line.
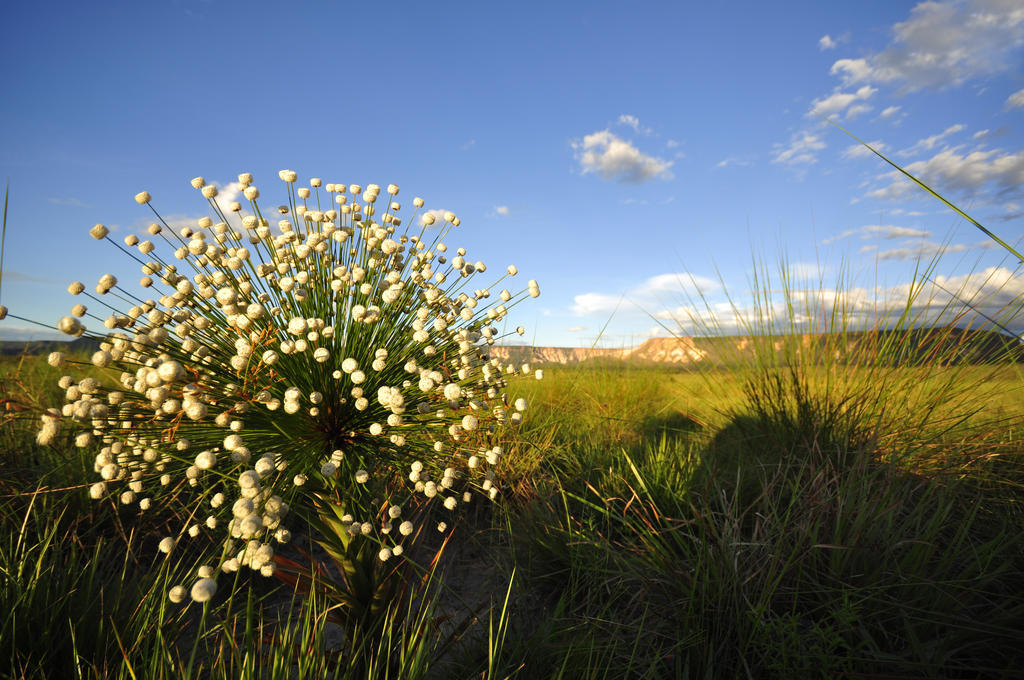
x=74, y=598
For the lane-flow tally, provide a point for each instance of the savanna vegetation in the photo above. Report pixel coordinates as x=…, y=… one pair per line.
x=804, y=520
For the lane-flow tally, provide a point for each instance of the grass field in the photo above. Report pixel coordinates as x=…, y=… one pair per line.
x=798, y=520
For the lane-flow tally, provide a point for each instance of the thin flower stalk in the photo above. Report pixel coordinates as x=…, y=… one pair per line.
x=335, y=354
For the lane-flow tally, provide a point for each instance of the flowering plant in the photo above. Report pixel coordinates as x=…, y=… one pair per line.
x=334, y=362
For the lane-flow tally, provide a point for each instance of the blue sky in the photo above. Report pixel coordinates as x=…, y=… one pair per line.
x=619, y=155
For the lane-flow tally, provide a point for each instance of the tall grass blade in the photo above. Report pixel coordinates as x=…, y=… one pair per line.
x=931, y=191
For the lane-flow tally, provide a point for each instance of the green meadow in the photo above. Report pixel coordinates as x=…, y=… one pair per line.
x=788, y=516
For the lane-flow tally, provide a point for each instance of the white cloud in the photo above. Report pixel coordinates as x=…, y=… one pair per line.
x=837, y=101
x=801, y=149
x=994, y=292
x=438, y=214
x=944, y=44
x=646, y=294
x=733, y=161
x=634, y=122
x=1015, y=100
x=805, y=271
x=851, y=70
x=861, y=151
x=671, y=144
x=629, y=120
x=227, y=194
x=614, y=158
x=576, y=329
x=857, y=109
x=982, y=175
x=681, y=282
x=979, y=134
x=176, y=221
x=889, y=112
x=594, y=303
x=1012, y=211
x=928, y=249
x=502, y=210
x=885, y=231
x=827, y=43
x=929, y=143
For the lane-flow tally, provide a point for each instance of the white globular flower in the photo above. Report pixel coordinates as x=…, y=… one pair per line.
x=345, y=326
x=204, y=589
x=206, y=460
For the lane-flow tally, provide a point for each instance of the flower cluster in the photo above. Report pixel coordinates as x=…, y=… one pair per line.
x=340, y=348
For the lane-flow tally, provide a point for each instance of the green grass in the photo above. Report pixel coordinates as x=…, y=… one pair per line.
x=808, y=509
x=757, y=521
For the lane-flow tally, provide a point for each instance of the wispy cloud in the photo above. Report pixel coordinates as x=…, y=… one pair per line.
x=616, y=159
x=858, y=109
x=884, y=231
x=502, y=210
x=645, y=294
x=801, y=149
x=889, y=111
x=1015, y=100
x=595, y=303
x=676, y=282
x=929, y=143
x=827, y=43
x=834, y=104
x=928, y=249
x=732, y=160
x=634, y=122
x=861, y=151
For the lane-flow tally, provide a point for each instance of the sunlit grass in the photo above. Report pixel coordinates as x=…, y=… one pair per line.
x=840, y=500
